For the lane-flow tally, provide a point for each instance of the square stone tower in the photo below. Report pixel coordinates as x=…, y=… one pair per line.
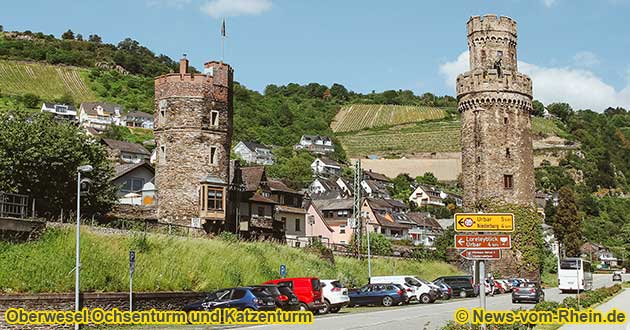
x=495, y=102
x=193, y=134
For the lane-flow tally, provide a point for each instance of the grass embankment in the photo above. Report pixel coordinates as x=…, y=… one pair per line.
x=169, y=263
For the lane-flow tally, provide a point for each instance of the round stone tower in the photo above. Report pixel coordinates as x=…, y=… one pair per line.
x=193, y=134
x=495, y=102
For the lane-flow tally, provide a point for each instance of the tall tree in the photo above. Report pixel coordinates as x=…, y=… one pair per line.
x=68, y=35
x=95, y=38
x=567, y=224
x=539, y=109
x=39, y=158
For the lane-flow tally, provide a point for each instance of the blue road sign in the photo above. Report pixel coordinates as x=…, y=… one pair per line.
x=283, y=271
x=132, y=260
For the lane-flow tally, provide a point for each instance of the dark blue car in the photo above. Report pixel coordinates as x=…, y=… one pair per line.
x=240, y=298
x=386, y=294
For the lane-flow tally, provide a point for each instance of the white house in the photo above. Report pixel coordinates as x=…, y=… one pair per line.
x=254, y=153
x=60, y=111
x=322, y=188
x=428, y=195
x=100, y=115
x=324, y=166
x=316, y=144
x=138, y=119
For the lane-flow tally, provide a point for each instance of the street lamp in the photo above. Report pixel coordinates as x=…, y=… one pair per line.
x=80, y=169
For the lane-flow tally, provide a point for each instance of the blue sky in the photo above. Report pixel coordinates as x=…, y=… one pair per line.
x=575, y=50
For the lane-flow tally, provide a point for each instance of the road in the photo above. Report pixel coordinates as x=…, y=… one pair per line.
x=433, y=316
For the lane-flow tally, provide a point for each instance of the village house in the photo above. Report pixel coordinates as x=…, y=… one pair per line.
x=323, y=188
x=336, y=213
x=326, y=167
x=60, y=111
x=289, y=209
x=138, y=119
x=254, y=153
x=125, y=152
x=135, y=183
x=425, y=195
x=316, y=227
x=316, y=144
x=99, y=116
x=425, y=229
x=374, y=189
x=371, y=175
x=386, y=216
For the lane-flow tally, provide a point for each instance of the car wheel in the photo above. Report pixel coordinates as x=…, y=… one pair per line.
x=334, y=309
x=326, y=307
x=462, y=294
x=303, y=307
x=514, y=301
x=425, y=299
x=388, y=301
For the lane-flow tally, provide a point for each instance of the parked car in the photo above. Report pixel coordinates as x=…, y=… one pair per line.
x=386, y=294
x=462, y=286
x=335, y=296
x=307, y=289
x=435, y=293
x=506, y=285
x=285, y=298
x=445, y=289
x=240, y=298
x=528, y=291
x=413, y=287
x=617, y=276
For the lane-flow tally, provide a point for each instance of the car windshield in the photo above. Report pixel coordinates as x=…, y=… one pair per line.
x=285, y=290
x=261, y=292
x=336, y=284
x=412, y=281
x=271, y=290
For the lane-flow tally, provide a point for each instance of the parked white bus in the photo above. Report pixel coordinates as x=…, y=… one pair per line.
x=575, y=274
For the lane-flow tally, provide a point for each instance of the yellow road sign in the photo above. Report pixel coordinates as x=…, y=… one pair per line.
x=486, y=222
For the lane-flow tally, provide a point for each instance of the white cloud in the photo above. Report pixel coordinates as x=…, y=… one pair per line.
x=450, y=70
x=581, y=88
x=585, y=59
x=549, y=3
x=222, y=8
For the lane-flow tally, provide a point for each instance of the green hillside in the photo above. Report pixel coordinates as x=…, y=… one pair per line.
x=46, y=81
x=438, y=136
x=171, y=263
x=355, y=117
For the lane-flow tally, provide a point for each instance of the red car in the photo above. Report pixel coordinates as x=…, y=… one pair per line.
x=307, y=289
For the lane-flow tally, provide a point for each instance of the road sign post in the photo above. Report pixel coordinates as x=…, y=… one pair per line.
x=283, y=271
x=132, y=268
x=484, y=222
x=483, y=242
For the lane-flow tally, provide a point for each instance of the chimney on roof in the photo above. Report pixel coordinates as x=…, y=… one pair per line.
x=183, y=65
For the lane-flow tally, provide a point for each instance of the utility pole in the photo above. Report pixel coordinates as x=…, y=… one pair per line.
x=77, y=267
x=356, y=208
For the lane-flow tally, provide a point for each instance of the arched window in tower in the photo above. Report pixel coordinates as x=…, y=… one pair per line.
x=483, y=57
x=506, y=120
x=507, y=153
x=214, y=118
x=162, y=113
x=213, y=157
x=162, y=158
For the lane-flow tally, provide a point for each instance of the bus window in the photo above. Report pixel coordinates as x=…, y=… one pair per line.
x=569, y=264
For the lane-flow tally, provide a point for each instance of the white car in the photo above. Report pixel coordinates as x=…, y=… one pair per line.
x=416, y=290
x=335, y=296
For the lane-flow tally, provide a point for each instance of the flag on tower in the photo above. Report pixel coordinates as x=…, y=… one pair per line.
x=223, y=29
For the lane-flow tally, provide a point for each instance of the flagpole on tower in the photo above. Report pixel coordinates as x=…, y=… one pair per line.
x=223, y=36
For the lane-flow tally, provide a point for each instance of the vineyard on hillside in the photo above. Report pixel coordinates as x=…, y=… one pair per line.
x=356, y=117
x=46, y=81
x=404, y=140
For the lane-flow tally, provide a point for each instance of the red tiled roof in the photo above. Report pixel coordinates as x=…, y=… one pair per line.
x=252, y=177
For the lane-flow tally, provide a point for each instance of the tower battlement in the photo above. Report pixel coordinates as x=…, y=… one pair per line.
x=491, y=22
x=491, y=81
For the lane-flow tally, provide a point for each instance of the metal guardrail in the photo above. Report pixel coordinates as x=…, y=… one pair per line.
x=13, y=205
